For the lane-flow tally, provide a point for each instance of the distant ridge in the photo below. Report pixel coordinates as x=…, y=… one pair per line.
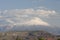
x=31, y=28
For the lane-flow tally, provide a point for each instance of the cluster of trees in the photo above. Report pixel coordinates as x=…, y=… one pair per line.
x=22, y=39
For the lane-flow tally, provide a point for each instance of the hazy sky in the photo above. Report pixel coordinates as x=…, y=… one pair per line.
x=20, y=4
x=30, y=12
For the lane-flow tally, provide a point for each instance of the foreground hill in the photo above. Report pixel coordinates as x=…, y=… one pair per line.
x=30, y=35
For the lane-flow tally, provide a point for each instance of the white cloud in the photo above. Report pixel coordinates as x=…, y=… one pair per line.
x=1, y=16
x=26, y=16
x=45, y=12
x=25, y=12
x=5, y=11
x=10, y=21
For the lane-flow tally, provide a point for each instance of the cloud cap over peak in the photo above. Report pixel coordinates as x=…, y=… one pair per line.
x=36, y=21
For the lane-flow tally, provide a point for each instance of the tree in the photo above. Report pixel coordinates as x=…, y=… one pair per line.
x=18, y=38
x=58, y=39
x=40, y=38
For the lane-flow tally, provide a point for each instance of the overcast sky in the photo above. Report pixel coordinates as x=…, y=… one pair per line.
x=30, y=12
